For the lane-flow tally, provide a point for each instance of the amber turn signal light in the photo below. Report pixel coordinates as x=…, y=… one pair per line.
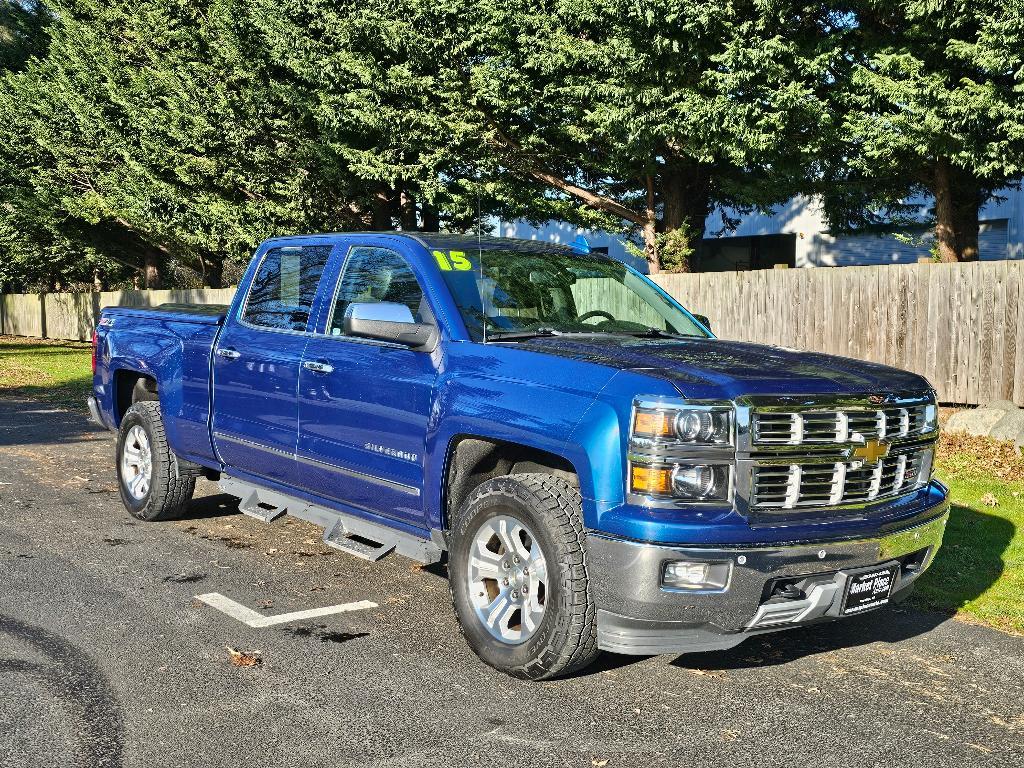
x=651, y=480
x=652, y=424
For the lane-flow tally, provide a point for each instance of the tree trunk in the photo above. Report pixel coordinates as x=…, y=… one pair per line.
x=968, y=199
x=407, y=212
x=214, y=271
x=945, y=213
x=958, y=200
x=967, y=233
x=431, y=219
x=152, y=269
x=381, y=218
x=650, y=231
x=686, y=203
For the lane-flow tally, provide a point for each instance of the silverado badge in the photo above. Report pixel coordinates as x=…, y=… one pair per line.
x=871, y=452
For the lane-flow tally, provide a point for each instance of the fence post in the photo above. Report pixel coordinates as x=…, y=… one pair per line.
x=42, y=315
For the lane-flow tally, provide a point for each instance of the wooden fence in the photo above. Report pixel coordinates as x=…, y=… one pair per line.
x=960, y=325
x=71, y=316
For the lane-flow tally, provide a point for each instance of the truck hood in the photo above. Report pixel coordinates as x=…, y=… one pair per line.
x=714, y=368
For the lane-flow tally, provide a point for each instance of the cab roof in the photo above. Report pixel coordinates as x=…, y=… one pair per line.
x=445, y=241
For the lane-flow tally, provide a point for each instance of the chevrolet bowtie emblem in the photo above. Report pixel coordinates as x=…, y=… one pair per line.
x=870, y=452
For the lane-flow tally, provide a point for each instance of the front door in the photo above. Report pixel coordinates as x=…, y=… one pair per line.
x=364, y=405
x=257, y=361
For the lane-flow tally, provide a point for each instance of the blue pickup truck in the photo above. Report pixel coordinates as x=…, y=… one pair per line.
x=597, y=469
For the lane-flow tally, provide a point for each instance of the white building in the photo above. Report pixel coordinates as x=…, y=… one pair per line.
x=795, y=235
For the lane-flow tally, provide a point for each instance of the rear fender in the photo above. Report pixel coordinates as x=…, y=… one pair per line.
x=177, y=356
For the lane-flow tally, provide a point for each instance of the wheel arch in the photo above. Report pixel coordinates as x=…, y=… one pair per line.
x=132, y=386
x=472, y=459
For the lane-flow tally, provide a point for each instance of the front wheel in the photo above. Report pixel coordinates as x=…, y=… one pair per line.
x=153, y=485
x=517, y=570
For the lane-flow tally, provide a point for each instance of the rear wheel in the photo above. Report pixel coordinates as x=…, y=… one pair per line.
x=153, y=485
x=518, y=576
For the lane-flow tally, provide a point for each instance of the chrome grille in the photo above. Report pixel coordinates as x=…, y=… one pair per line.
x=814, y=483
x=830, y=426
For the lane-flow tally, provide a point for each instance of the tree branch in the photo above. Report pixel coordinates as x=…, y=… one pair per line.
x=588, y=196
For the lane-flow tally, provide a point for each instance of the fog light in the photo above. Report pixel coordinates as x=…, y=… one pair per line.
x=686, y=575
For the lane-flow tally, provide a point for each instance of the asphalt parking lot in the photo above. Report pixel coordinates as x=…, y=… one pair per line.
x=107, y=658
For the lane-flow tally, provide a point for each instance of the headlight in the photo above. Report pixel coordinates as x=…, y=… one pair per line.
x=681, y=450
x=685, y=481
x=688, y=424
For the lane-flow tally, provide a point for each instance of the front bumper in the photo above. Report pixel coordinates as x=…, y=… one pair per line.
x=638, y=615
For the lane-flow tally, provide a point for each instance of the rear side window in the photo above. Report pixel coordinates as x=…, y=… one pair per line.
x=377, y=274
x=281, y=295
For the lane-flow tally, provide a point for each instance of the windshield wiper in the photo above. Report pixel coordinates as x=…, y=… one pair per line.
x=650, y=333
x=515, y=335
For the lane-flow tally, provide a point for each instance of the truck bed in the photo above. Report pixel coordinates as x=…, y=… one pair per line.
x=172, y=344
x=207, y=314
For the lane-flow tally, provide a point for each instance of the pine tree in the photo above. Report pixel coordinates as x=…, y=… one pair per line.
x=653, y=115
x=932, y=105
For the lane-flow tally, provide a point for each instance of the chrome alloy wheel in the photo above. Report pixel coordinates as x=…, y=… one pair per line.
x=137, y=463
x=507, y=579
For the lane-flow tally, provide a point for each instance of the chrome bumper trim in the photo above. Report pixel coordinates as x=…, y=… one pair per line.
x=636, y=612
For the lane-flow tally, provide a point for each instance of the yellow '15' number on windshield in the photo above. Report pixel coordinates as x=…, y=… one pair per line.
x=453, y=260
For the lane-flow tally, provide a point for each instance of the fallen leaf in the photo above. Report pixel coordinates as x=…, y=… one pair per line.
x=599, y=763
x=244, y=658
x=989, y=500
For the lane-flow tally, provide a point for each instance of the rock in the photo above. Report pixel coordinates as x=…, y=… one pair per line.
x=977, y=422
x=1010, y=427
x=999, y=405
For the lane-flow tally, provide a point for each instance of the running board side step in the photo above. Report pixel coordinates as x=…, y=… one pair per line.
x=373, y=540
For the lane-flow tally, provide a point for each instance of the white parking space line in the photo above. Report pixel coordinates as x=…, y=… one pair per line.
x=254, y=619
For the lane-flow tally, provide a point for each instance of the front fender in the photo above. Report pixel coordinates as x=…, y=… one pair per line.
x=560, y=407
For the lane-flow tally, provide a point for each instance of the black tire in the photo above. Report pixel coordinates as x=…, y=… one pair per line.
x=565, y=639
x=171, y=485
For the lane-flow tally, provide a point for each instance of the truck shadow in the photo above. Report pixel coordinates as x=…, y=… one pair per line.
x=888, y=625
x=214, y=505
x=969, y=563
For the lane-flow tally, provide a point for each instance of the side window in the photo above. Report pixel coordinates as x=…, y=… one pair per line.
x=377, y=274
x=281, y=295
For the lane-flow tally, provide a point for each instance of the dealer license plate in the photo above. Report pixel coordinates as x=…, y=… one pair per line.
x=869, y=589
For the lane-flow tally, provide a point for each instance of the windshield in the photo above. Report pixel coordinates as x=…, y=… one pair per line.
x=520, y=291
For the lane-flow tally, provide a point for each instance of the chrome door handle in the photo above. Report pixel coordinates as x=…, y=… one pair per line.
x=318, y=367
x=229, y=354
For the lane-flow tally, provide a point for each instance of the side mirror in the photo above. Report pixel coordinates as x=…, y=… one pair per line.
x=389, y=321
x=703, y=320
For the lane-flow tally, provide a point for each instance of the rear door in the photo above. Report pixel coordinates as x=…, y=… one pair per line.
x=257, y=359
x=364, y=405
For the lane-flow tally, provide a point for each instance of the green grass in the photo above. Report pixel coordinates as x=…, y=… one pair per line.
x=978, y=574
x=53, y=371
